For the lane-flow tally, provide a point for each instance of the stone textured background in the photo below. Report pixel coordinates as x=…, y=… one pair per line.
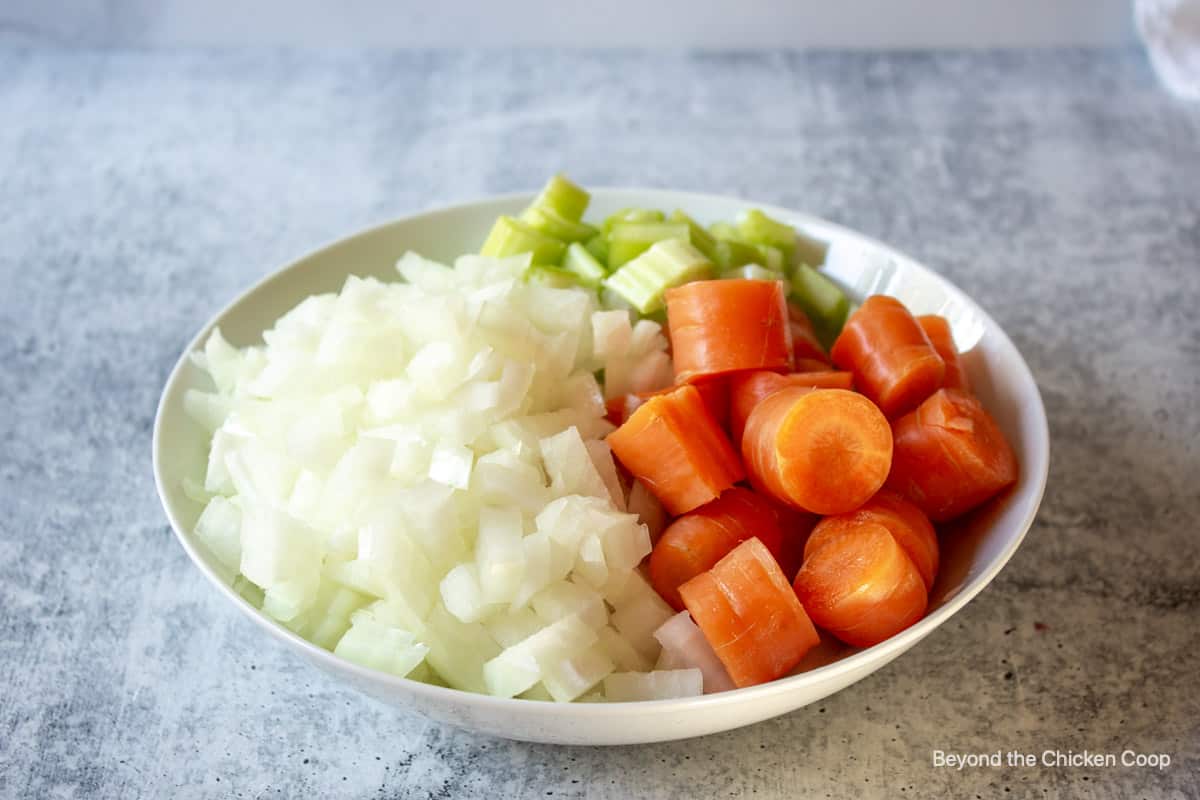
x=140, y=190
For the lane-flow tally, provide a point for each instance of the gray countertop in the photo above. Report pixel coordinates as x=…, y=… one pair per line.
x=140, y=190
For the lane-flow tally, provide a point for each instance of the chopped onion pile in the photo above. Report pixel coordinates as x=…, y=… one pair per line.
x=413, y=475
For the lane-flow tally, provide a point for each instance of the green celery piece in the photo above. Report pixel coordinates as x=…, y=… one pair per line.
x=583, y=265
x=554, y=277
x=550, y=222
x=632, y=215
x=771, y=257
x=598, y=247
x=564, y=198
x=668, y=263
x=628, y=240
x=511, y=236
x=822, y=300
x=703, y=241
x=725, y=232
x=757, y=228
x=732, y=253
x=754, y=272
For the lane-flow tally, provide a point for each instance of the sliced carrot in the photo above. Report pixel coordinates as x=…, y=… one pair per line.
x=908, y=525
x=950, y=456
x=805, y=344
x=714, y=392
x=797, y=526
x=748, y=389
x=811, y=365
x=893, y=361
x=750, y=615
x=940, y=336
x=727, y=325
x=697, y=540
x=825, y=451
x=674, y=446
x=860, y=585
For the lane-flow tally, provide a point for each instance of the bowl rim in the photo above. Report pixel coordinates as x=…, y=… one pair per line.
x=883, y=651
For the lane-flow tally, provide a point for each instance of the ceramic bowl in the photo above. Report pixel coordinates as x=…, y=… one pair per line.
x=972, y=554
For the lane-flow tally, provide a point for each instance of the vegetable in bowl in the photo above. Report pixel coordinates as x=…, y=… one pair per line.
x=401, y=397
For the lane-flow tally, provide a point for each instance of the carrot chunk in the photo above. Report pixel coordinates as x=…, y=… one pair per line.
x=748, y=389
x=893, y=361
x=825, y=451
x=727, y=325
x=908, y=525
x=942, y=339
x=805, y=344
x=674, y=446
x=950, y=456
x=750, y=615
x=859, y=584
x=697, y=540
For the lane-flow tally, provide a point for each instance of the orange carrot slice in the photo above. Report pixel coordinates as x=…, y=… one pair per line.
x=748, y=389
x=805, y=344
x=697, y=540
x=825, y=451
x=811, y=365
x=674, y=446
x=727, y=325
x=750, y=615
x=714, y=392
x=908, y=525
x=893, y=361
x=950, y=456
x=942, y=339
x=860, y=585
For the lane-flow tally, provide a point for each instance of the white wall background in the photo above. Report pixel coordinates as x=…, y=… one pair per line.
x=599, y=23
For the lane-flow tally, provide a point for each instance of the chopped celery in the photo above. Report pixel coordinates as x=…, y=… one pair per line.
x=632, y=215
x=703, y=241
x=725, y=232
x=628, y=240
x=757, y=228
x=667, y=263
x=587, y=270
x=563, y=198
x=821, y=299
x=598, y=247
x=511, y=236
x=554, y=277
x=732, y=253
x=771, y=257
x=754, y=272
x=551, y=223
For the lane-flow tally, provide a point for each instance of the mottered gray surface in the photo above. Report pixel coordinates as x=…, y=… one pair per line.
x=139, y=191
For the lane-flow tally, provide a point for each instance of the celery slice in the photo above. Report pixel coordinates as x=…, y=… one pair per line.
x=587, y=270
x=771, y=257
x=821, y=299
x=551, y=223
x=564, y=198
x=511, y=236
x=732, y=253
x=632, y=215
x=701, y=239
x=667, y=263
x=554, y=277
x=598, y=247
x=724, y=231
x=754, y=272
x=756, y=227
x=628, y=240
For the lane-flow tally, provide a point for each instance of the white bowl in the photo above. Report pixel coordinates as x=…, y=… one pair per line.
x=972, y=554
